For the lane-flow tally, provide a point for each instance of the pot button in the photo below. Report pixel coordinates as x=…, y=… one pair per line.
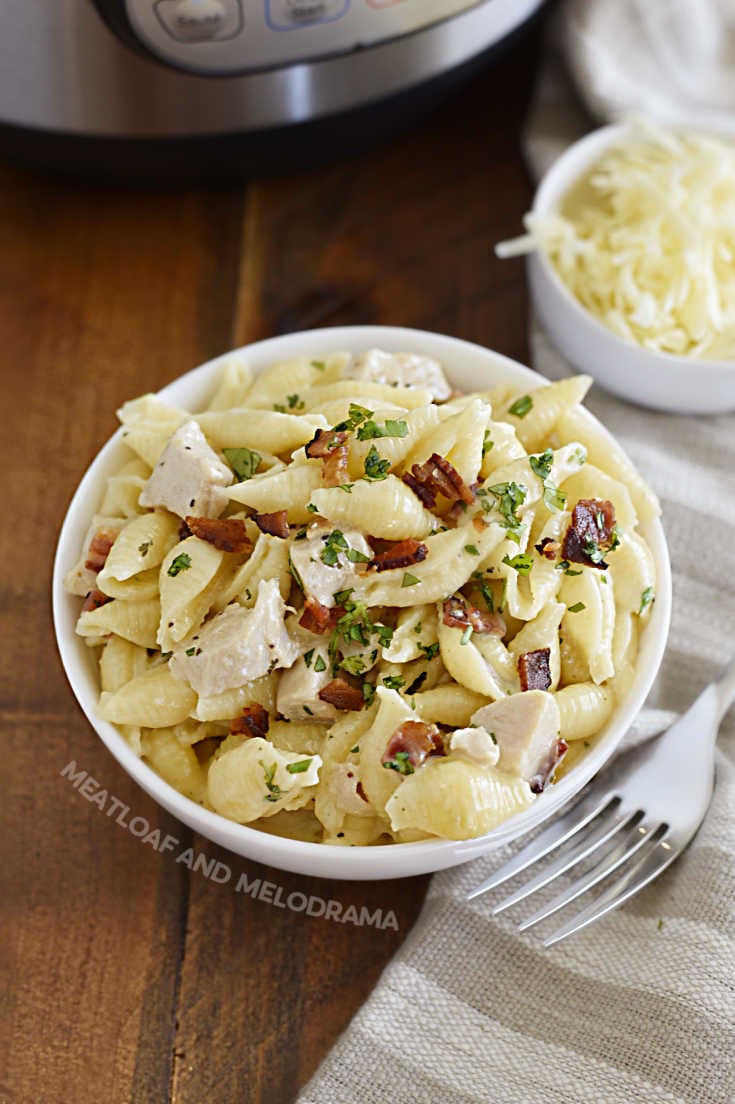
x=200, y=20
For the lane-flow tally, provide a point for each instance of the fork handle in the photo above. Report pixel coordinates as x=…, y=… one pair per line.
x=725, y=688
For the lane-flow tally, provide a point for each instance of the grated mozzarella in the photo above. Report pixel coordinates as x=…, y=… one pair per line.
x=645, y=241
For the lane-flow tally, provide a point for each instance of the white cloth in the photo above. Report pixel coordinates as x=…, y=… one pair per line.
x=639, y=1007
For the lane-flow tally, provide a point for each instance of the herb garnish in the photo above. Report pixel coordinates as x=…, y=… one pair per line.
x=295, y=402
x=541, y=466
x=299, y=766
x=577, y=607
x=400, y=763
x=522, y=563
x=472, y=549
x=521, y=406
x=308, y=656
x=647, y=599
x=487, y=442
x=274, y=791
x=431, y=651
x=376, y=468
x=243, y=461
x=409, y=580
x=393, y=682
x=182, y=562
x=484, y=589
x=143, y=547
x=319, y=664
x=509, y=496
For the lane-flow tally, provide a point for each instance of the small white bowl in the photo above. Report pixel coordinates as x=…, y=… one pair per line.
x=685, y=385
x=469, y=367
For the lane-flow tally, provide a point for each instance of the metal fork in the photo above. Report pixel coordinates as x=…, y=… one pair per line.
x=635, y=819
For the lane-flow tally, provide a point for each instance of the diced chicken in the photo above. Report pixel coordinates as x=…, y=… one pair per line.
x=526, y=726
x=475, y=744
x=83, y=576
x=321, y=581
x=405, y=369
x=343, y=782
x=238, y=645
x=189, y=477
x=298, y=689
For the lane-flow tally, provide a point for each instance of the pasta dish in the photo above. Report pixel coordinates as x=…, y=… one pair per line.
x=348, y=605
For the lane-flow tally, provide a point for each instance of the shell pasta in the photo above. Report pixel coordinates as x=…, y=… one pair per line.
x=346, y=604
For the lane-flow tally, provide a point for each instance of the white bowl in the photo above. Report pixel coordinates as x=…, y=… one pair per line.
x=469, y=367
x=685, y=385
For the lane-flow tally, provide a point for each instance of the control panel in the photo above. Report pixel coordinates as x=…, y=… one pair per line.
x=222, y=37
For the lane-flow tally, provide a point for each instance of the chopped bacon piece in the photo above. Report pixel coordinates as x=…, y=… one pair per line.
x=440, y=477
x=343, y=694
x=422, y=491
x=591, y=533
x=548, y=548
x=334, y=467
x=543, y=774
x=317, y=618
x=226, y=534
x=534, y=671
x=458, y=614
x=253, y=721
x=325, y=441
x=99, y=548
x=94, y=599
x=276, y=523
x=403, y=554
x=412, y=742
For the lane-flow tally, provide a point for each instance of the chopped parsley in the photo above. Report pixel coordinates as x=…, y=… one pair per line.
x=400, y=763
x=385, y=634
x=368, y=693
x=295, y=402
x=243, y=461
x=409, y=580
x=393, y=682
x=342, y=596
x=356, y=416
x=647, y=599
x=182, y=562
x=334, y=543
x=521, y=406
x=392, y=428
x=346, y=487
x=355, y=556
x=308, y=656
x=307, y=710
x=354, y=750
x=144, y=547
x=319, y=664
x=567, y=568
x=541, y=466
x=431, y=651
x=294, y=573
x=274, y=791
x=191, y=651
x=311, y=508
x=279, y=408
x=485, y=590
x=577, y=607
x=472, y=549
x=353, y=665
x=522, y=563
x=299, y=766
x=487, y=442
x=320, y=365
x=508, y=496
x=376, y=468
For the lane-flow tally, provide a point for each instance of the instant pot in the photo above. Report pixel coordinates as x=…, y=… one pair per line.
x=202, y=86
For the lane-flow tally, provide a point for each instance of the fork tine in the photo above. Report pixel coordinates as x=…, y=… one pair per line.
x=557, y=833
x=637, y=835
x=647, y=867
x=606, y=827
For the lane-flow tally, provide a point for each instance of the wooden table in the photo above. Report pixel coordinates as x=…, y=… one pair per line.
x=130, y=977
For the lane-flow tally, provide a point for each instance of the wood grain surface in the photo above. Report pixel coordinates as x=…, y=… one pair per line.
x=127, y=976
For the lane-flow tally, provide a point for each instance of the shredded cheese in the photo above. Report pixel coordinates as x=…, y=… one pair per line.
x=646, y=242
